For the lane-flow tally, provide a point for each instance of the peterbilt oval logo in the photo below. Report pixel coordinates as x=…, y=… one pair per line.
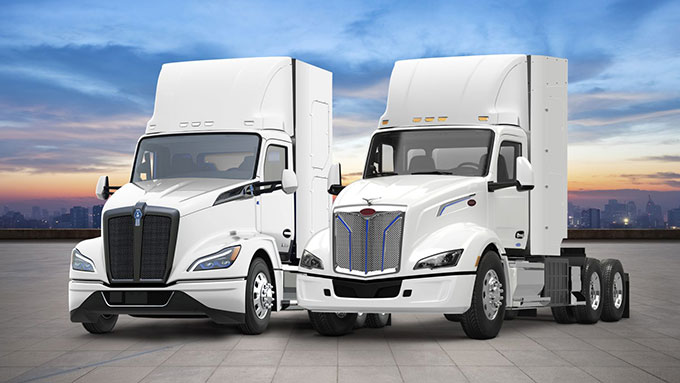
x=137, y=216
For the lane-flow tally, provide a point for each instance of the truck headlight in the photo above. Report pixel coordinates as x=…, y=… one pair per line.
x=310, y=261
x=445, y=259
x=219, y=260
x=80, y=262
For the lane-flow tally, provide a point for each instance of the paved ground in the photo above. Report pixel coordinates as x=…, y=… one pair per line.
x=38, y=343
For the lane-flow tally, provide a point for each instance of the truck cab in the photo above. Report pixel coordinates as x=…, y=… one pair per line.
x=461, y=209
x=227, y=183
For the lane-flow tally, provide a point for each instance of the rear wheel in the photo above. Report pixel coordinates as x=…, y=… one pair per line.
x=259, y=298
x=591, y=288
x=361, y=320
x=485, y=317
x=332, y=324
x=103, y=325
x=613, y=290
x=377, y=320
x=564, y=314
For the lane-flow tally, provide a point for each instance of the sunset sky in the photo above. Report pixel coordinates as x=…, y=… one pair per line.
x=78, y=80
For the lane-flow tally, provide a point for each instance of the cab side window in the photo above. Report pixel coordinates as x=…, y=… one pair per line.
x=507, y=159
x=276, y=160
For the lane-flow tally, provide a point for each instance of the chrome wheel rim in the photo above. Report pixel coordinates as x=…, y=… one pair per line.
x=263, y=295
x=492, y=294
x=595, y=289
x=617, y=290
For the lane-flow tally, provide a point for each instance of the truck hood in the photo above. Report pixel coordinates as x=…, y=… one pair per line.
x=187, y=195
x=407, y=190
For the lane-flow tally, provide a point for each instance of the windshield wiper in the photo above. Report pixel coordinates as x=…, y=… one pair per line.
x=433, y=172
x=383, y=174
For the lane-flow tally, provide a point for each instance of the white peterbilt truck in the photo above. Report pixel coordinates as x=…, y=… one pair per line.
x=462, y=206
x=228, y=184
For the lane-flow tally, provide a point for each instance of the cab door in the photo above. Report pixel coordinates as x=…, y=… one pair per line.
x=277, y=212
x=510, y=206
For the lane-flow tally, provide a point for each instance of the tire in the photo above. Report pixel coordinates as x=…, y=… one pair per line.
x=591, y=275
x=453, y=317
x=377, y=320
x=564, y=314
x=103, y=325
x=484, y=318
x=332, y=324
x=613, y=290
x=259, y=298
x=361, y=321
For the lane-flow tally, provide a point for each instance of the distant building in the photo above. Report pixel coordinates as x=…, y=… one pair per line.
x=590, y=219
x=97, y=216
x=45, y=215
x=674, y=218
x=62, y=221
x=615, y=215
x=79, y=217
x=35, y=213
x=654, y=215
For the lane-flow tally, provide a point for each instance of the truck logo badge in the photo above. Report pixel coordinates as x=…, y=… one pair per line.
x=369, y=201
x=138, y=217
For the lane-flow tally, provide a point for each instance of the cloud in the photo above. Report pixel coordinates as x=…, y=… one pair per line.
x=665, y=158
x=659, y=178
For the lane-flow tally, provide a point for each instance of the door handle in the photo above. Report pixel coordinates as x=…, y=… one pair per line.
x=287, y=233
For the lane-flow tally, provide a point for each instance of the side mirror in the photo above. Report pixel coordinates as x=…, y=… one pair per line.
x=525, y=174
x=102, y=190
x=334, y=185
x=289, y=182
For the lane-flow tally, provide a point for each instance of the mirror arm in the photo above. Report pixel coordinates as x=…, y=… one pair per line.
x=260, y=188
x=493, y=186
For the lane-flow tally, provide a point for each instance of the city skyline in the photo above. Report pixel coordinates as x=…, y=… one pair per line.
x=79, y=86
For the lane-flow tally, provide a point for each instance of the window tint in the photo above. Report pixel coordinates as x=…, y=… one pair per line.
x=274, y=163
x=507, y=159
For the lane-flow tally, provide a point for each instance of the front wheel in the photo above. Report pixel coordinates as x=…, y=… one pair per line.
x=377, y=320
x=103, y=325
x=332, y=324
x=485, y=317
x=259, y=298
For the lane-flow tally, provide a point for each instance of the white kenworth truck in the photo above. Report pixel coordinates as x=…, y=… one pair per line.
x=228, y=184
x=462, y=206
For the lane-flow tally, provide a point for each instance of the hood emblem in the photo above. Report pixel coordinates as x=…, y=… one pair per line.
x=137, y=215
x=369, y=201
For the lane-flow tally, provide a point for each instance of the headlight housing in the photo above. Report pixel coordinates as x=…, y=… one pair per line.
x=310, y=261
x=79, y=262
x=446, y=259
x=219, y=260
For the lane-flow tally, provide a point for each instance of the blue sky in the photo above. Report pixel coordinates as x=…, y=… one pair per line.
x=78, y=79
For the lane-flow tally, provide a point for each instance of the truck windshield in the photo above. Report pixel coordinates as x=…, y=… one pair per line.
x=462, y=152
x=229, y=156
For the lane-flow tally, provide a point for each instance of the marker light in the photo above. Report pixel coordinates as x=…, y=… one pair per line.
x=384, y=122
x=80, y=262
x=417, y=119
x=483, y=118
x=429, y=119
x=442, y=118
x=445, y=259
x=219, y=260
x=310, y=261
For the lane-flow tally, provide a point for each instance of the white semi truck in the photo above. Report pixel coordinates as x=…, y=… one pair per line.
x=228, y=184
x=462, y=206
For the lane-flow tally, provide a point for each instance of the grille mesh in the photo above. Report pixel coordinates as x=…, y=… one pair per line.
x=155, y=243
x=120, y=238
x=359, y=243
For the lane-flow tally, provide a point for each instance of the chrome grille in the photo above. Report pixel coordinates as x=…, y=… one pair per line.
x=367, y=244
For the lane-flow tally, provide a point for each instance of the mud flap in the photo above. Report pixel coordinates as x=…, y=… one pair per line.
x=626, y=286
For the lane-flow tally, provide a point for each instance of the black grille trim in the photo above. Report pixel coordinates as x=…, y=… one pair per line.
x=139, y=254
x=374, y=289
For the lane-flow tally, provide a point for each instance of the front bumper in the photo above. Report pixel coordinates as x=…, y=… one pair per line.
x=222, y=301
x=450, y=294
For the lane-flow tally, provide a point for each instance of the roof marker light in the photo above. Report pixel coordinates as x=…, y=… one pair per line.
x=442, y=118
x=384, y=122
x=483, y=118
x=183, y=124
x=429, y=119
x=209, y=123
x=417, y=119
